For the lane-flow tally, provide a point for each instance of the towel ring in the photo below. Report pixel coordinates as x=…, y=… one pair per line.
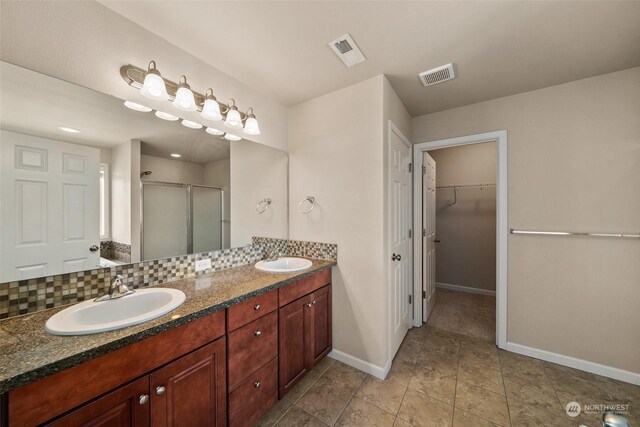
x=311, y=200
x=263, y=205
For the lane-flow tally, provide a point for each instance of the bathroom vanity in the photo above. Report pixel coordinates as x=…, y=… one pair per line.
x=224, y=357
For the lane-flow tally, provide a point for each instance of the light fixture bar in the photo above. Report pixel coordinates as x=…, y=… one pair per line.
x=134, y=76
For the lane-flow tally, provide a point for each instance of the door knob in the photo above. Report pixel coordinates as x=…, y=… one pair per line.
x=436, y=240
x=396, y=257
x=160, y=390
x=143, y=399
x=94, y=248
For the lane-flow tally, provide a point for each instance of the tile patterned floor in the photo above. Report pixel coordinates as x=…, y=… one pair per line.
x=444, y=378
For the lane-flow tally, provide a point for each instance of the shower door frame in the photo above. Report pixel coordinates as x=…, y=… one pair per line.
x=188, y=187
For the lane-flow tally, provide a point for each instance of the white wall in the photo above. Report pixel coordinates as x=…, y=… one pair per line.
x=86, y=43
x=466, y=254
x=257, y=171
x=170, y=170
x=336, y=155
x=573, y=161
x=121, y=193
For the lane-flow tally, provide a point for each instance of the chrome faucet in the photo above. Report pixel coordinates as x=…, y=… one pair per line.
x=117, y=290
x=271, y=255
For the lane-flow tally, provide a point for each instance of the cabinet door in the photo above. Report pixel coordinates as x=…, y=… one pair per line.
x=192, y=390
x=292, y=334
x=123, y=407
x=319, y=326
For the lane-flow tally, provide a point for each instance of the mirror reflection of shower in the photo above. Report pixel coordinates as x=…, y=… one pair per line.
x=145, y=173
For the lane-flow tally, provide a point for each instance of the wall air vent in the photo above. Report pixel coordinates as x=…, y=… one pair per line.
x=437, y=75
x=347, y=50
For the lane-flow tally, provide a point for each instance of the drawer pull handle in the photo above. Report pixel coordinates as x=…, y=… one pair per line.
x=143, y=399
x=160, y=390
x=257, y=384
x=257, y=333
x=256, y=307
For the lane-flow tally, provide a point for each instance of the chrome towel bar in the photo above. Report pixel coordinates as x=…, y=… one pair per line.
x=575, y=233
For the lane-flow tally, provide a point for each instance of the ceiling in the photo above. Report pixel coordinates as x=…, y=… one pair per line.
x=500, y=48
x=37, y=104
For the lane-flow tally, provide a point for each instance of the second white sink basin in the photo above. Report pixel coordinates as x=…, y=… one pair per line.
x=284, y=265
x=91, y=317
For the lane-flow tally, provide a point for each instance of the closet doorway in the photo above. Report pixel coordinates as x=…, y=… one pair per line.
x=460, y=206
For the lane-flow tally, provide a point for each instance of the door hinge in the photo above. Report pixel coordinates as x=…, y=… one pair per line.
x=409, y=299
x=410, y=167
x=424, y=170
x=424, y=232
x=424, y=294
x=410, y=233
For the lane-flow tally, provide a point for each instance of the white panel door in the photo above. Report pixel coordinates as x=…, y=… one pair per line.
x=429, y=239
x=50, y=207
x=399, y=228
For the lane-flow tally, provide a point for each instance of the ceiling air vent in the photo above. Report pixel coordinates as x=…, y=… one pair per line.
x=347, y=50
x=437, y=75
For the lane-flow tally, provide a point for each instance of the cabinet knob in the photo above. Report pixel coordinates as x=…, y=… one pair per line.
x=256, y=307
x=257, y=384
x=309, y=304
x=257, y=333
x=314, y=302
x=143, y=399
x=160, y=390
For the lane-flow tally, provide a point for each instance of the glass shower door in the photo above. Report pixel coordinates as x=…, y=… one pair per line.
x=165, y=220
x=207, y=218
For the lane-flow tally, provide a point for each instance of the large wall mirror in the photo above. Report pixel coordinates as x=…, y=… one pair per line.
x=87, y=182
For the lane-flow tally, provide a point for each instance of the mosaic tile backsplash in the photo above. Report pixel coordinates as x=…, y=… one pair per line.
x=28, y=296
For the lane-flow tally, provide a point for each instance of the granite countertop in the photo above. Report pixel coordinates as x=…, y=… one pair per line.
x=28, y=353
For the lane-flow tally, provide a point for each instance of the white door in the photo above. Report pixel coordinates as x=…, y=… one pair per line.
x=429, y=236
x=399, y=229
x=50, y=207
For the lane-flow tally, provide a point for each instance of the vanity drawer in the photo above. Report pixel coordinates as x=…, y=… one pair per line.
x=251, y=309
x=302, y=287
x=254, y=396
x=251, y=346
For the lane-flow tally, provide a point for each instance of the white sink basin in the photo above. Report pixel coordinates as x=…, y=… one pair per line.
x=91, y=317
x=284, y=265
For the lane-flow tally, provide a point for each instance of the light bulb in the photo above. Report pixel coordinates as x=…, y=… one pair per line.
x=233, y=119
x=190, y=124
x=232, y=137
x=153, y=86
x=166, y=116
x=251, y=125
x=184, y=99
x=211, y=110
x=214, y=131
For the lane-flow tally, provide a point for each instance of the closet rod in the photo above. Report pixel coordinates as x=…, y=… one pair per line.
x=575, y=233
x=465, y=186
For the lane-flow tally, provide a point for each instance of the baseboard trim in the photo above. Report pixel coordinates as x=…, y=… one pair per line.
x=465, y=289
x=375, y=370
x=572, y=362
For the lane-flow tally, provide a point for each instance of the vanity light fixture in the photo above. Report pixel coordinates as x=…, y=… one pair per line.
x=69, y=130
x=234, y=120
x=214, y=131
x=190, y=124
x=166, y=116
x=184, y=99
x=154, y=86
x=137, y=107
x=251, y=124
x=211, y=108
x=175, y=155
x=232, y=137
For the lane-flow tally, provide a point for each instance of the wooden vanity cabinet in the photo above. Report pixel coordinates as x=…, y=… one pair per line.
x=305, y=336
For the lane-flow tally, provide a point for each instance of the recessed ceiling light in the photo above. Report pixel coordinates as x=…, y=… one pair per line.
x=232, y=137
x=70, y=130
x=137, y=107
x=190, y=124
x=176, y=155
x=166, y=116
x=214, y=131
